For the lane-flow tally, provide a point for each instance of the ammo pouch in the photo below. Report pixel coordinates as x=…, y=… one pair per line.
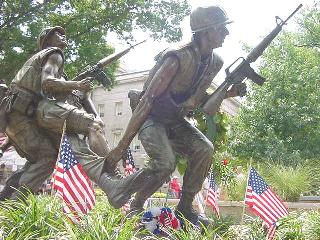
x=23, y=102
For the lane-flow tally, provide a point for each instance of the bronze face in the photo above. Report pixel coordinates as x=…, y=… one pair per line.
x=57, y=39
x=217, y=35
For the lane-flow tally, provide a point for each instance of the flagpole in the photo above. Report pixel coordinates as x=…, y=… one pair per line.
x=63, y=132
x=244, y=202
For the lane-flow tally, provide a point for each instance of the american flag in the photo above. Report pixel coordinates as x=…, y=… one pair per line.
x=128, y=170
x=72, y=184
x=130, y=167
x=264, y=202
x=213, y=194
x=199, y=201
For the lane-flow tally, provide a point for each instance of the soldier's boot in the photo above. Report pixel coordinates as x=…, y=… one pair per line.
x=11, y=185
x=184, y=210
x=149, y=187
x=119, y=190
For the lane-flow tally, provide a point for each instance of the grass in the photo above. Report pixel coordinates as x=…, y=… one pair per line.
x=41, y=218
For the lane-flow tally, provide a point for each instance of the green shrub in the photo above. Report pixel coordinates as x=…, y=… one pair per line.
x=288, y=182
x=237, y=192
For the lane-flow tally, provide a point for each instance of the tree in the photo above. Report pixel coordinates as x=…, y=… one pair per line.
x=280, y=120
x=87, y=23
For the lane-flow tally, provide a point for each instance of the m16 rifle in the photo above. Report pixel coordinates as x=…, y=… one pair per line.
x=96, y=71
x=244, y=70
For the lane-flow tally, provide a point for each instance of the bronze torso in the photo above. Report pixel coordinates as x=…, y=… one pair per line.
x=29, y=76
x=193, y=73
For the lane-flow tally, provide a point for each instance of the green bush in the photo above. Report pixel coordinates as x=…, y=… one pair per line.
x=237, y=192
x=288, y=182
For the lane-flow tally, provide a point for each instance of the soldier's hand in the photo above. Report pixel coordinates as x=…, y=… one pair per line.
x=237, y=90
x=85, y=84
x=99, y=121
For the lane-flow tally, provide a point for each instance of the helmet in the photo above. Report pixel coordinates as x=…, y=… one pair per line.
x=46, y=32
x=204, y=18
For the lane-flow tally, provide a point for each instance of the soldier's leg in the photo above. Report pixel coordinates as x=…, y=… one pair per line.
x=162, y=163
x=189, y=142
x=37, y=148
x=80, y=122
x=11, y=184
x=147, y=180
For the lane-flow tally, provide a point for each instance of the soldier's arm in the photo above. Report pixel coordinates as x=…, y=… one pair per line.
x=201, y=96
x=158, y=85
x=88, y=105
x=51, y=82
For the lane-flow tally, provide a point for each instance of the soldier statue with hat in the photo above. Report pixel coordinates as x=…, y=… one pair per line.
x=176, y=85
x=36, y=107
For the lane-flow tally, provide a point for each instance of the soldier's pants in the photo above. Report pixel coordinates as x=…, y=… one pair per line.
x=33, y=144
x=162, y=142
x=41, y=151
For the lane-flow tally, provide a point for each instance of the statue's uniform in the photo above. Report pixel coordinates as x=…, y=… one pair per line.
x=166, y=133
x=33, y=136
x=29, y=140
x=53, y=110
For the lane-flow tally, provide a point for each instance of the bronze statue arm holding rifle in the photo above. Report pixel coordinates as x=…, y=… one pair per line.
x=244, y=70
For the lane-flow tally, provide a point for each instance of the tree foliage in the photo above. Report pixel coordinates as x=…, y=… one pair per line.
x=280, y=120
x=87, y=24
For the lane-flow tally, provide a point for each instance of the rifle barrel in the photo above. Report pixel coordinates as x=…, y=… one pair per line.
x=115, y=56
x=297, y=9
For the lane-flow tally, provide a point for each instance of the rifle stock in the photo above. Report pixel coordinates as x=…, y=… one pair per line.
x=244, y=70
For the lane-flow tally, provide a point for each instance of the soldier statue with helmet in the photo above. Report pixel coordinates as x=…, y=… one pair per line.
x=176, y=85
x=36, y=107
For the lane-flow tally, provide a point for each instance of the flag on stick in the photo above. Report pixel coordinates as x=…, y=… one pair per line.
x=263, y=202
x=213, y=194
x=128, y=170
x=129, y=167
x=199, y=201
x=72, y=184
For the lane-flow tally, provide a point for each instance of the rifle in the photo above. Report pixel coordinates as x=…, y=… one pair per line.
x=244, y=70
x=96, y=71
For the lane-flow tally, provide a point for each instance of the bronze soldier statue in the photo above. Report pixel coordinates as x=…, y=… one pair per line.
x=176, y=85
x=36, y=108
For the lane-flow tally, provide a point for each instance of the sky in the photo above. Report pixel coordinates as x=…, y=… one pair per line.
x=253, y=19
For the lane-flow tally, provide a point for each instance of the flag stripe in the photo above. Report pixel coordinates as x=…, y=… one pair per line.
x=264, y=202
x=77, y=190
x=72, y=184
x=213, y=194
x=82, y=186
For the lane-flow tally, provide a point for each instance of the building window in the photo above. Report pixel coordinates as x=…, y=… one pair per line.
x=101, y=110
x=136, y=147
x=118, y=108
x=116, y=138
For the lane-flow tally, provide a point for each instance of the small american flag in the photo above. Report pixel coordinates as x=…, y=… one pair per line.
x=128, y=170
x=72, y=184
x=130, y=167
x=199, y=201
x=264, y=202
x=213, y=194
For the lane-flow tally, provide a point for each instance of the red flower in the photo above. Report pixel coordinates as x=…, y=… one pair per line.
x=224, y=162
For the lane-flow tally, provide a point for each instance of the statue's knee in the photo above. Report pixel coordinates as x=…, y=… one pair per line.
x=166, y=169
x=208, y=150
